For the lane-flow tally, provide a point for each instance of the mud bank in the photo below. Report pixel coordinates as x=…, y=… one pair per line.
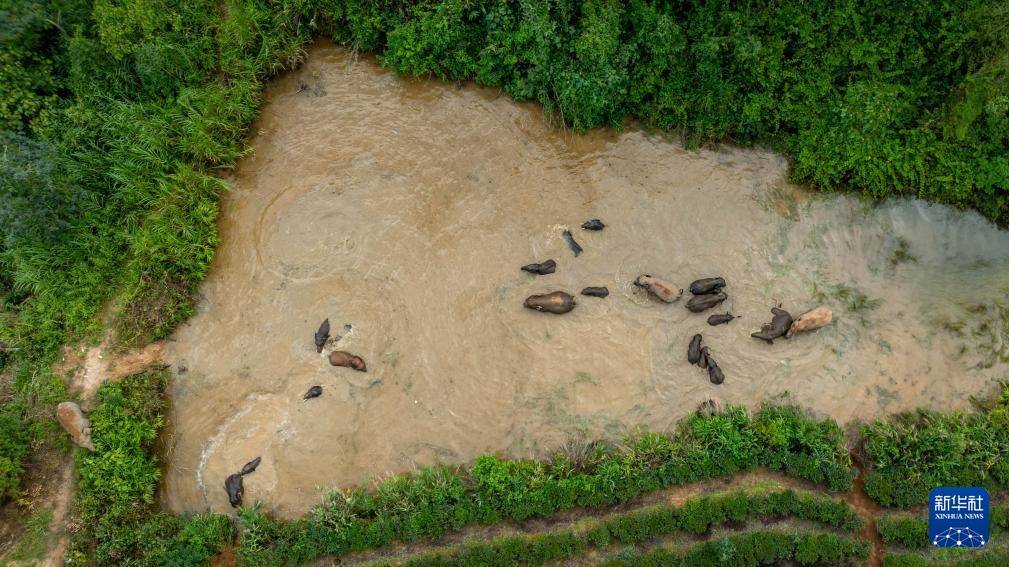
x=405, y=208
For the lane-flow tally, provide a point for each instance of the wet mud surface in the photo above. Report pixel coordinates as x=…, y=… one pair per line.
x=402, y=210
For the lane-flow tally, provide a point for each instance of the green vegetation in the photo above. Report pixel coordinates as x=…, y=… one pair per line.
x=121, y=525
x=911, y=532
x=756, y=548
x=906, y=531
x=910, y=454
x=953, y=558
x=441, y=499
x=697, y=516
x=114, y=504
x=13, y=449
x=32, y=545
x=27, y=418
x=117, y=114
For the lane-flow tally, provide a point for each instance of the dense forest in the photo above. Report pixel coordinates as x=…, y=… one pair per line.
x=117, y=117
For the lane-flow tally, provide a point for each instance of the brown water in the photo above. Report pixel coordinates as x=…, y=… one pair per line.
x=405, y=208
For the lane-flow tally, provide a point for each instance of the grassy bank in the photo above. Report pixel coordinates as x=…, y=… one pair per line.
x=441, y=500
x=908, y=455
x=120, y=523
x=114, y=507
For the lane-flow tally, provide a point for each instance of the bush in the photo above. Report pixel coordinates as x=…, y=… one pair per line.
x=863, y=97
x=440, y=499
x=22, y=424
x=912, y=531
x=13, y=449
x=757, y=548
x=905, y=531
x=163, y=539
x=117, y=482
x=698, y=515
x=910, y=454
x=955, y=558
x=36, y=204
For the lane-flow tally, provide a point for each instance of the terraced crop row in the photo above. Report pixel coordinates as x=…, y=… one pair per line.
x=696, y=517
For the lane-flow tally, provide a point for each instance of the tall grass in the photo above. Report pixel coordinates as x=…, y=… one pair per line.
x=120, y=115
x=908, y=455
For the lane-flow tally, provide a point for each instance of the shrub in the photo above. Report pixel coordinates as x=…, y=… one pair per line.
x=440, y=499
x=912, y=531
x=757, y=548
x=905, y=531
x=698, y=515
x=957, y=558
x=910, y=454
x=117, y=482
x=13, y=449
x=36, y=203
x=163, y=539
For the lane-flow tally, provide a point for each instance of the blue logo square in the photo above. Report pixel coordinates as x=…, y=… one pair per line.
x=959, y=516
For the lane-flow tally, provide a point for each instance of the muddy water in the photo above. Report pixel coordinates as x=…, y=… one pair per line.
x=403, y=209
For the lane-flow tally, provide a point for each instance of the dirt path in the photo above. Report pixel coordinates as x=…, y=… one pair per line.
x=93, y=366
x=60, y=506
x=870, y=511
x=89, y=368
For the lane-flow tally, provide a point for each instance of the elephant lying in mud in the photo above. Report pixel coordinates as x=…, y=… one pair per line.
x=705, y=286
x=720, y=319
x=322, y=335
x=700, y=303
x=341, y=358
x=541, y=269
x=557, y=302
x=593, y=291
x=234, y=484
x=658, y=287
x=810, y=321
x=777, y=328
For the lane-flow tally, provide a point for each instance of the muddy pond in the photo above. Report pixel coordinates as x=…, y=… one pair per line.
x=402, y=211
